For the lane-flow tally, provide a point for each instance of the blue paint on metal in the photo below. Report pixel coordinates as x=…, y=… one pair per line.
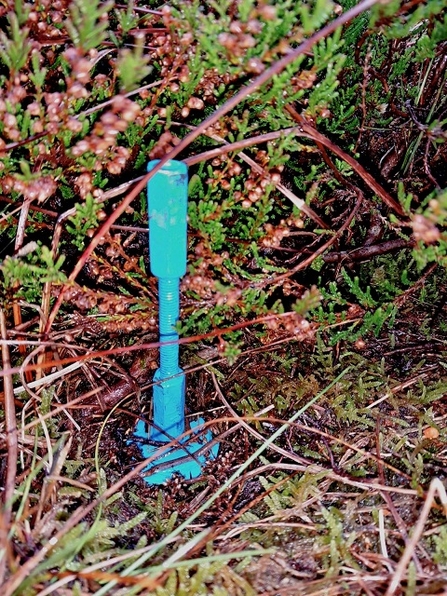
x=167, y=208
x=184, y=459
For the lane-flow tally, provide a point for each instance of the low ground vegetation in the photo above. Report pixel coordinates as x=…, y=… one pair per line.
x=313, y=309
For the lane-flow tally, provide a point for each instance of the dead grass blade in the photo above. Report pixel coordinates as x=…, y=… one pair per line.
x=436, y=486
x=12, y=448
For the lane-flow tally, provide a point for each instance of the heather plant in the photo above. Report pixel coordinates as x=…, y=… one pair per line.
x=234, y=209
x=314, y=293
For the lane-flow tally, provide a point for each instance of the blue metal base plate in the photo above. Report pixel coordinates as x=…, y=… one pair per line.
x=176, y=460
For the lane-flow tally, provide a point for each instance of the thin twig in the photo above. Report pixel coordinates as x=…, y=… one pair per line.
x=11, y=441
x=364, y=253
x=436, y=486
x=138, y=347
x=390, y=503
x=358, y=168
x=319, y=251
x=308, y=429
x=253, y=432
x=20, y=236
x=227, y=147
x=237, y=145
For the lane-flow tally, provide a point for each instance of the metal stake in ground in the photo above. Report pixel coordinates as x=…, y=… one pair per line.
x=167, y=209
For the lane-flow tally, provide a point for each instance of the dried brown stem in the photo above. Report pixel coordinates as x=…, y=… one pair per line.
x=300, y=203
x=238, y=145
x=20, y=235
x=321, y=249
x=12, y=448
x=138, y=347
x=387, y=497
x=283, y=452
x=367, y=252
x=358, y=168
x=436, y=486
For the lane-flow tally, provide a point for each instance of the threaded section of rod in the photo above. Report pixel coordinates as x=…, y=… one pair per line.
x=169, y=356
x=168, y=299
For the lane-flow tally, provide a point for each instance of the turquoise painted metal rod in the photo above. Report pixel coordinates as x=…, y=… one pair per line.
x=167, y=209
